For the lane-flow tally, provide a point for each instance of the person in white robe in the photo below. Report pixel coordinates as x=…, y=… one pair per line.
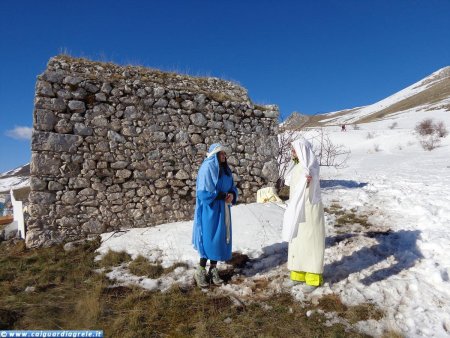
x=304, y=222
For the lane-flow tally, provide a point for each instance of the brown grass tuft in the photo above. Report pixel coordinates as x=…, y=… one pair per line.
x=332, y=303
x=174, y=266
x=219, y=97
x=392, y=334
x=352, y=218
x=354, y=314
x=113, y=258
x=363, y=312
x=142, y=267
x=283, y=193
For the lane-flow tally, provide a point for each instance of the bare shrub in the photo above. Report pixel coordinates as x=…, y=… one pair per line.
x=333, y=155
x=430, y=133
x=426, y=127
x=370, y=135
x=328, y=153
x=356, y=127
x=430, y=142
x=441, y=130
x=376, y=147
x=393, y=125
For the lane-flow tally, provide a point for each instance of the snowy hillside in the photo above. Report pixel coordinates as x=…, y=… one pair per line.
x=388, y=234
x=430, y=94
x=16, y=178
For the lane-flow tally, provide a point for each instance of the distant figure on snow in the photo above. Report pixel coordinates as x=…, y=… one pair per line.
x=343, y=128
x=304, y=222
x=212, y=233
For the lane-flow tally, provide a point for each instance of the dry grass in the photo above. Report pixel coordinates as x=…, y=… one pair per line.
x=354, y=314
x=117, y=73
x=283, y=193
x=192, y=313
x=174, y=266
x=348, y=217
x=432, y=95
x=219, y=97
x=260, y=107
x=352, y=218
x=68, y=294
x=57, y=283
x=141, y=266
x=392, y=334
x=363, y=312
x=113, y=258
x=316, y=120
x=335, y=209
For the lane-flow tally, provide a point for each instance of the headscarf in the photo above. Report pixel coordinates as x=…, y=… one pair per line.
x=295, y=211
x=208, y=174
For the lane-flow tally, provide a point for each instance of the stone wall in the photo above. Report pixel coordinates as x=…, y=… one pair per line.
x=116, y=147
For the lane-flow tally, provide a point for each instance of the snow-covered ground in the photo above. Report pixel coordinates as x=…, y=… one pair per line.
x=399, y=261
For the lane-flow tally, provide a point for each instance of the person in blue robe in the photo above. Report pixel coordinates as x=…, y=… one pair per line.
x=212, y=233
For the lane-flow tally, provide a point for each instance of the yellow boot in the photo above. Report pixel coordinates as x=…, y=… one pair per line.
x=298, y=276
x=314, y=279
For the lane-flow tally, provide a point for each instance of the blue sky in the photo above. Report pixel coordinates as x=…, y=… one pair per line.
x=307, y=56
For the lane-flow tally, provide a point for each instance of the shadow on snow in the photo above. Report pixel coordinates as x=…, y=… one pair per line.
x=277, y=254
x=330, y=241
x=341, y=184
x=402, y=245
x=273, y=256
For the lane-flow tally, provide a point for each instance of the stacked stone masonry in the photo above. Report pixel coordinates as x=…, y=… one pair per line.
x=117, y=147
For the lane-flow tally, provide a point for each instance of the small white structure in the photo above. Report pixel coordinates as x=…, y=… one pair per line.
x=16, y=197
x=14, y=190
x=18, y=215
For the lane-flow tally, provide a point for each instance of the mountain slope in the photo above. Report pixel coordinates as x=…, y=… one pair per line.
x=428, y=94
x=16, y=178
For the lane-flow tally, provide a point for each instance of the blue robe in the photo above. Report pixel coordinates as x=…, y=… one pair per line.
x=209, y=229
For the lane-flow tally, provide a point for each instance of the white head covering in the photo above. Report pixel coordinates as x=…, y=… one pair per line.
x=295, y=211
x=217, y=149
x=306, y=156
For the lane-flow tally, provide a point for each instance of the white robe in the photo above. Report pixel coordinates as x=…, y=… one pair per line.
x=295, y=211
x=306, y=251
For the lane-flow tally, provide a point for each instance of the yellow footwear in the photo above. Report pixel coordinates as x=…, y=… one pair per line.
x=313, y=279
x=298, y=276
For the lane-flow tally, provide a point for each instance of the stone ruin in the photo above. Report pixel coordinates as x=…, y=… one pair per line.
x=116, y=147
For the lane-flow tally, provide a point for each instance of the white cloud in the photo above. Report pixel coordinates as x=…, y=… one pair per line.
x=20, y=133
